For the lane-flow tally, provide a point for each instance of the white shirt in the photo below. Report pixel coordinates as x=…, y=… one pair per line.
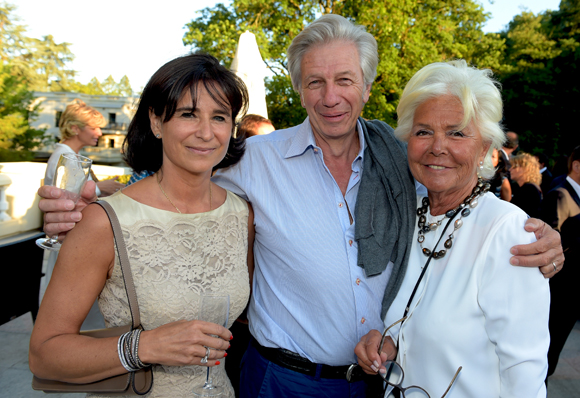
x=473, y=309
x=574, y=185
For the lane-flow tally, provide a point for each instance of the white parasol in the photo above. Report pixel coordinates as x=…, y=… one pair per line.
x=250, y=67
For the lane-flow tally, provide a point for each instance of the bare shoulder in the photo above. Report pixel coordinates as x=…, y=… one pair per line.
x=90, y=242
x=95, y=218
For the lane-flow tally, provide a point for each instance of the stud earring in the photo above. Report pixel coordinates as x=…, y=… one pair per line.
x=481, y=165
x=157, y=135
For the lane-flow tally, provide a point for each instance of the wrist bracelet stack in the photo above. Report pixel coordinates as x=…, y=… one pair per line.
x=128, y=348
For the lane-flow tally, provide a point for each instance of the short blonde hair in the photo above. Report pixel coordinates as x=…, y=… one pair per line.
x=79, y=114
x=530, y=165
x=475, y=88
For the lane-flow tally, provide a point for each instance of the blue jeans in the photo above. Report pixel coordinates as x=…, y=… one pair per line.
x=261, y=378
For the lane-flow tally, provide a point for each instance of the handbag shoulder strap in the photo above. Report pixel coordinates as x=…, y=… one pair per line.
x=125, y=265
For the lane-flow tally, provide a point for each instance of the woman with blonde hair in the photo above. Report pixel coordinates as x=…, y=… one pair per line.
x=525, y=173
x=80, y=126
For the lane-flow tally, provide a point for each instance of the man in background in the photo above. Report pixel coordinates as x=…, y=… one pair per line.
x=511, y=144
x=252, y=125
x=546, y=174
x=561, y=210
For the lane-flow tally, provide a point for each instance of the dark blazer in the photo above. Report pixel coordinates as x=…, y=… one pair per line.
x=564, y=304
x=528, y=197
x=546, y=181
x=560, y=204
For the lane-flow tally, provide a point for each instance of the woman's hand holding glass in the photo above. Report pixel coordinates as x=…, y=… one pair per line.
x=215, y=308
x=182, y=343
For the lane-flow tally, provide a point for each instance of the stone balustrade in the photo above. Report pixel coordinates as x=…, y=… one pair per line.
x=19, y=183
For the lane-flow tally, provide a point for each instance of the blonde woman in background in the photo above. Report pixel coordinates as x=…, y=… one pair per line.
x=525, y=173
x=80, y=126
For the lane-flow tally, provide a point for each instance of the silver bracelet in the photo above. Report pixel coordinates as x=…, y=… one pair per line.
x=128, y=349
x=121, y=352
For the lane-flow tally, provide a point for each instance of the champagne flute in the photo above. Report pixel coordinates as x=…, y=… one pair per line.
x=72, y=171
x=215, y=308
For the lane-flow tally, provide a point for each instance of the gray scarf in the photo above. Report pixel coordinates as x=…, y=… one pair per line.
x=385, y=207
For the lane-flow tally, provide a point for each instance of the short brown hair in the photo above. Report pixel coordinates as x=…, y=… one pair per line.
x=79, y=114
x=249, y=125
x=575, y=155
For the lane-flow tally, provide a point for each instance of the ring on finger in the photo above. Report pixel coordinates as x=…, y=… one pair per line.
x=204, y=359
x=555, y=268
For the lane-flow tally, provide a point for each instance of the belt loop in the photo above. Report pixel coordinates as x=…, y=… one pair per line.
x=318, y=371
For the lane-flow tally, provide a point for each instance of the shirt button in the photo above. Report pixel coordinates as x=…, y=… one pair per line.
x=358, y=282
x=363, y=320
x=350, y=242
x=340, y=205
x=315, y=150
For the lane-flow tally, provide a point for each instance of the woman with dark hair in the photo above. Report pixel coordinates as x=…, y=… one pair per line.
x=185, y=236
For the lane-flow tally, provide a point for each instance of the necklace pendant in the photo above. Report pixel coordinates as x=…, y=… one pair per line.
x=421, y=239
x=433, y=226
x=465, y=212
x=448, y=243
x=473, y=203
x=426, y=252
x=458, y=223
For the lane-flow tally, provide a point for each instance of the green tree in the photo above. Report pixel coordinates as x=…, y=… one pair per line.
x=110, y=86
x=16, y=135
x=124, y=87
x=12, y=38
x=409, y=34
x=540, y=79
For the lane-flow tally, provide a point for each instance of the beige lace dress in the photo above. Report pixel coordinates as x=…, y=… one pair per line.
x=174, y=259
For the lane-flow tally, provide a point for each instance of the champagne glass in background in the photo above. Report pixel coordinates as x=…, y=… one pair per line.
x=215, y=308
x=72, y=171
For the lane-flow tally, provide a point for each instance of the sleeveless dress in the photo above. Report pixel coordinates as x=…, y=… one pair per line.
x=174, y=259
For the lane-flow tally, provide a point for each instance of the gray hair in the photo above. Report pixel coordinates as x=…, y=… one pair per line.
x=328, y=28
x=475, y=88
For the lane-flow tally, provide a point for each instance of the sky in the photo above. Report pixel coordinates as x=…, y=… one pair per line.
x=129, y=37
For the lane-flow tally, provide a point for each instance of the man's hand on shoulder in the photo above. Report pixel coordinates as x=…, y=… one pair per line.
x=546, y=253
x=61, y=215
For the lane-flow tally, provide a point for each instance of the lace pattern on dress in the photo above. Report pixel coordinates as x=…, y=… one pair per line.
x=173, y=263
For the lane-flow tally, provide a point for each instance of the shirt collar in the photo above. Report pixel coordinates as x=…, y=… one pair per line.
x=304, y=140
x=574, y=185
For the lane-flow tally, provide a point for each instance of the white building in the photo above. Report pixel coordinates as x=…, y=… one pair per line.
x=118, y=111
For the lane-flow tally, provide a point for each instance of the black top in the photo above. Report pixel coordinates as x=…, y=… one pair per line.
x=528, y=197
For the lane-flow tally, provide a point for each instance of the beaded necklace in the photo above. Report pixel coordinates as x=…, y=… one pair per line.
x=463, y=210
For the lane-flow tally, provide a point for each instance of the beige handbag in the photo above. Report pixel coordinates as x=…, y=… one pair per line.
x=131, y=383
